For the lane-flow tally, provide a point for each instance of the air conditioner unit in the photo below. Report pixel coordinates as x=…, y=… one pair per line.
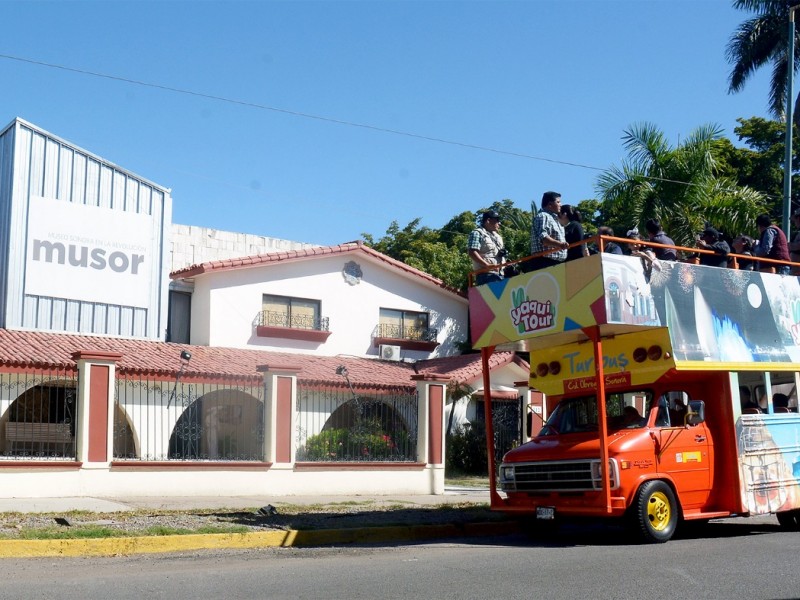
x=388, y=352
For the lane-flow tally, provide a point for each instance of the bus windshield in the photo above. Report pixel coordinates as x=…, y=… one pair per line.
x=576, y=415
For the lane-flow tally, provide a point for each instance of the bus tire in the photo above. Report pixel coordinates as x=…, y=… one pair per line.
x=655, y=512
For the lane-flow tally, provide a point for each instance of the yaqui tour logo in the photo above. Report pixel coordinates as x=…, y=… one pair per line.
x=534, y=306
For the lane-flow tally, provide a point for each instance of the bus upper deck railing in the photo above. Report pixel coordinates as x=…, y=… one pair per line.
x=691, y=256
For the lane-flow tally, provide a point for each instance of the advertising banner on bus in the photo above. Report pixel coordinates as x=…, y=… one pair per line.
x=737, y=319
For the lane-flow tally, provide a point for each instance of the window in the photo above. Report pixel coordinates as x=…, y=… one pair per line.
x=579, y=414
x=403, y=325
x=295, y=313
x=180, y=305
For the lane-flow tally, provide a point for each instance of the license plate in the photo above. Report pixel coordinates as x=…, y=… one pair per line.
x=545, y=512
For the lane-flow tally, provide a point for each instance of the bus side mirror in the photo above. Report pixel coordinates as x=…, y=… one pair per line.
x=697, y=412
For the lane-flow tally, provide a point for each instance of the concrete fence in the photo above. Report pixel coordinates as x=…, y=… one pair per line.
x=94, y=431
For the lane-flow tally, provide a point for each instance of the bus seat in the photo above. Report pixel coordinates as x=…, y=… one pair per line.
x=751, y=411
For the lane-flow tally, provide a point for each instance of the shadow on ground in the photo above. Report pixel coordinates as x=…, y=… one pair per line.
x=347, y=519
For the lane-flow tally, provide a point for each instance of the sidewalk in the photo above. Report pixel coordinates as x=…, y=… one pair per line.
x=437, y=526
x=452, y=495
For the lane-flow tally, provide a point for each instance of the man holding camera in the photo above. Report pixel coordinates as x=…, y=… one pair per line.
x=485, y=248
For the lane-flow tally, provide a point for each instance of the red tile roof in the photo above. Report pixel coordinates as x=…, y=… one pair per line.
x=261, y=260
x=468, y=366
x=39, y=350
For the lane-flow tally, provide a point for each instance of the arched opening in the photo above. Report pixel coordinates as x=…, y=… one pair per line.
x=41, y=421
x=224, y=424
x=125, y=443
x=369, y=413
x=363, y=429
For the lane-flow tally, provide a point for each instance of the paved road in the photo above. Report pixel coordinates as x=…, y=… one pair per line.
x=750, y=559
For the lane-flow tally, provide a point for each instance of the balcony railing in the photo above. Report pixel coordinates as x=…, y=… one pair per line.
x=271, y=318
x=270, y=323
x=398, y=332
x=423, y=339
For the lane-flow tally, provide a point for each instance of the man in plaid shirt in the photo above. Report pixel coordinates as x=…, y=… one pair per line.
x=485, y=248
x=547, y=233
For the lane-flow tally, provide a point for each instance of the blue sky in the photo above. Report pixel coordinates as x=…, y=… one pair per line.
x=512, y=91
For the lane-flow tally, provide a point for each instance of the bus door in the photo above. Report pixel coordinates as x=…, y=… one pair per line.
x=683, y=450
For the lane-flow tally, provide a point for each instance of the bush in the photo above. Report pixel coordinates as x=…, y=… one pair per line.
x=364, y=443
x=327, y=445
x=466, y=451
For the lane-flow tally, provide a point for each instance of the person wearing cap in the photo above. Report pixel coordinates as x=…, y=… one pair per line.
x=711, y=239
x=794, y=245
x=485, y=248
x=547, y=233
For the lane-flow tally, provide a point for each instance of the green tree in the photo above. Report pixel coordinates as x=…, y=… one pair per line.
x=443, y=252
x=759, y=41
x=399, y=243
x=590, y=212
x=451, y=264
x=760, y=164
x=678, y=185
x=425, y=249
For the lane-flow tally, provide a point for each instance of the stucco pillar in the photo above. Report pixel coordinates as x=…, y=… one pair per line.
x=280, y=408
x=532, y=410
x=535, y=409
x=432, y=394
x=95, y=427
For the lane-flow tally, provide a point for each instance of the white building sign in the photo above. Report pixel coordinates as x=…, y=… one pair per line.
x=89, y=253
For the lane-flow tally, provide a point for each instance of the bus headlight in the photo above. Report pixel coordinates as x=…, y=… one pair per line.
x=613, y=474
x=507, y=483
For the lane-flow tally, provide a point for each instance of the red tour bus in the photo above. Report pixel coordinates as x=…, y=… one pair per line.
x=670, y=395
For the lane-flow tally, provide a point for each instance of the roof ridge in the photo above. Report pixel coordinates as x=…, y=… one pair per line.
x=315, y=251
x=27, y=349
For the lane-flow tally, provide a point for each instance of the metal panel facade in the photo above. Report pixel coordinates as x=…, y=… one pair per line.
x=6, y=178
x=36, y=166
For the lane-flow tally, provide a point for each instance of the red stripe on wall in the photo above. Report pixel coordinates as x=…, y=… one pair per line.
x=98, y=414
x=435, y=416
x=283, y=420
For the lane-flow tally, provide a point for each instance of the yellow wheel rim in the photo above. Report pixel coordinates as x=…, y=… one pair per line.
x=659, y=511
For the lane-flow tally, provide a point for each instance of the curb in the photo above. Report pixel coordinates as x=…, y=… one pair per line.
x=259, y=539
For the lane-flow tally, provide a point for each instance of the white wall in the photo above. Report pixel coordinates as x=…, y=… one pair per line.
x=225, y=303
x=192, y=245
x=502, y=379
x=151, y=482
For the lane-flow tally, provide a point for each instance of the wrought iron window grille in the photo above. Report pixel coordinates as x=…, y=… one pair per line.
x=271, y=318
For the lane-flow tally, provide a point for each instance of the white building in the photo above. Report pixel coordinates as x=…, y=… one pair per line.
x=250, y=363
x=345, y=299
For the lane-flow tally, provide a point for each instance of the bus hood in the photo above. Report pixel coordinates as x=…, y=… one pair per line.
x=576, y=445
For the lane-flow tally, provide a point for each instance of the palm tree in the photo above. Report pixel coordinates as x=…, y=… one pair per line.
x=677, y=185
x=760, y=41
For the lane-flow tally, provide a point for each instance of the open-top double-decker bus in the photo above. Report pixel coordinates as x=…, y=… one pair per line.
x=665, y=391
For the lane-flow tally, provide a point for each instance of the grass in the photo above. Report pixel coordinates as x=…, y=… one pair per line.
x=339, y=510
x=98, y=532
x=474, y=481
